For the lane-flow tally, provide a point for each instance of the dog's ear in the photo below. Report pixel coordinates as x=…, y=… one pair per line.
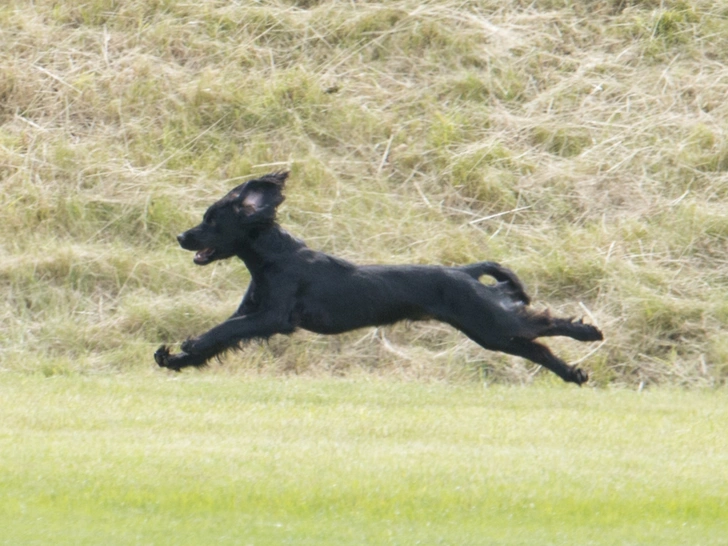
x=257, y=199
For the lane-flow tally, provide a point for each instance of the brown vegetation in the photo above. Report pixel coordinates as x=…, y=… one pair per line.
x=581, y=144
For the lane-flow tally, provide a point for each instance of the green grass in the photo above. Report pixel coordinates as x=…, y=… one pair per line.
x=210, y=458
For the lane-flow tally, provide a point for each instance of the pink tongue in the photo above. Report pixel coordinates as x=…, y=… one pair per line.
x=203, y=255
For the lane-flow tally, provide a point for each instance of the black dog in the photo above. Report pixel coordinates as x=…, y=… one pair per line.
x=295, y=287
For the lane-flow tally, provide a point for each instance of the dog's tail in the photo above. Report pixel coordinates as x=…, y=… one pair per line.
x=515, y=287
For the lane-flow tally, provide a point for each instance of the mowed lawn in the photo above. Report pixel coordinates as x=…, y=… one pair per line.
x=210, y=458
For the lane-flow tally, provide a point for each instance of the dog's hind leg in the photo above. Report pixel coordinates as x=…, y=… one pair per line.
x=575, y=329
x=497, y=324
x=538, y=353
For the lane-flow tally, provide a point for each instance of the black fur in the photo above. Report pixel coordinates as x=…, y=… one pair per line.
x=295, y=287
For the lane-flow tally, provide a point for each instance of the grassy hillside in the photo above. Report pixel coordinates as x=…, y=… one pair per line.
x=583, y=144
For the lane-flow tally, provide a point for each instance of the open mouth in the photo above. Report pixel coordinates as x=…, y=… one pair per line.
x=204, y=256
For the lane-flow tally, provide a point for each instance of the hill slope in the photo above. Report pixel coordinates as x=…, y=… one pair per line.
x=582, y=145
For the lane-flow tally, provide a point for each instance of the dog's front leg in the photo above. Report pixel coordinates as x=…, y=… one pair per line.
x=176, y=362
x=230, y=334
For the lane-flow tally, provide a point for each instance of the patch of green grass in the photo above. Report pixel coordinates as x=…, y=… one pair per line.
x=196, y=458
x=705, y=151
x=564, y=142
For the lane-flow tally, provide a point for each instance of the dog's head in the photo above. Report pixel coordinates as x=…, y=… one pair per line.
x=227, y=223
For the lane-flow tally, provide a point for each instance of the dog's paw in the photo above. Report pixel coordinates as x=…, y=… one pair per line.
x=164, y=359
x=579, y=376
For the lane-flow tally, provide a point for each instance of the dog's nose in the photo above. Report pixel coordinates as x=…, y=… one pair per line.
x=181, y=238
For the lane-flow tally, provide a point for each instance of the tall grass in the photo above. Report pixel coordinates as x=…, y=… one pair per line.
x=582, y=144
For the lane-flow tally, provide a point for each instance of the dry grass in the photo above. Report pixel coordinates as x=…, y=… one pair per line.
x=583, y=145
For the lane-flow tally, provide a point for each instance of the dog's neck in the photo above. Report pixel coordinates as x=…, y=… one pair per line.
x=265, y=244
